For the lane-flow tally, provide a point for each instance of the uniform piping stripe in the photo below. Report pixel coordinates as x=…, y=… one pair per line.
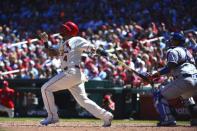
x=46, y=95
x=48, y=104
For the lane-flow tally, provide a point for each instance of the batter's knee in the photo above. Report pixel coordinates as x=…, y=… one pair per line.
x=44, y=87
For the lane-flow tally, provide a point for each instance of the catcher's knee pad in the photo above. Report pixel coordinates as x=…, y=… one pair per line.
x=157, y=96
x=162, y=106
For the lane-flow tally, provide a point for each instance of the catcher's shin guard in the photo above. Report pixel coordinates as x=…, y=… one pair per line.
x=163, y=108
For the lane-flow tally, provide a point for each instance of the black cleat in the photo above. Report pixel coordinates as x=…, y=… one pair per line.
x=166, y=123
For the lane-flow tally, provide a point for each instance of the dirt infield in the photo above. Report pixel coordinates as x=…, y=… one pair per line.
x=89, y=126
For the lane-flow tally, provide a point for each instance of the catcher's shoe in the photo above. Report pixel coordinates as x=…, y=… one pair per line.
x=49, y=120
x=108, y=119
x=167, y=123
x=193, y=122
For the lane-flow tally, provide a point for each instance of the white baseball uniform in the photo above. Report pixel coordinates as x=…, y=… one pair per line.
x=72, y=78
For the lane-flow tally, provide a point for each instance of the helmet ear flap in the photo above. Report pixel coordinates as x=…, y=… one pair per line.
x=74, y=28
x=69, y=29
x=65, y=30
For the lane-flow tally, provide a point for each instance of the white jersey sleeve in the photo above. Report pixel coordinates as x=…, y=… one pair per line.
x=80, y=43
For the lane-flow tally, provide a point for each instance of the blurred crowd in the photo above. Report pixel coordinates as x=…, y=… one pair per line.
x=27, y=15
x=119, y=27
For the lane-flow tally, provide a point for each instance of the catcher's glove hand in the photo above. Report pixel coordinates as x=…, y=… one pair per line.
x=146, y=77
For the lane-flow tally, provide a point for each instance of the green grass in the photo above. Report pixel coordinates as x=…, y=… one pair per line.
x=123, y=121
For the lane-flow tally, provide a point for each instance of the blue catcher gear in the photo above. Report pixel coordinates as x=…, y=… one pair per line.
x=162, y=107
x=177, y=39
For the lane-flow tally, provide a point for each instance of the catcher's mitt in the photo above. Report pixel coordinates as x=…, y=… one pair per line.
x=146, y=77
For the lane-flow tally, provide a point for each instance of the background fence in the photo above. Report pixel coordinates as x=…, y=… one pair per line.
x=129, y=102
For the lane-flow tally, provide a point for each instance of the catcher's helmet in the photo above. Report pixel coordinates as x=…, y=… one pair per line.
x=177, y=39
x=69, y=29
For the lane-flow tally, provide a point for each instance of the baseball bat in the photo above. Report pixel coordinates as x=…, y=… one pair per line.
x=145, y=78
x=114, y=57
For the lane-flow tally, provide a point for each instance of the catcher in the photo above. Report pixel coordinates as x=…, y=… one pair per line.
x=181, y=65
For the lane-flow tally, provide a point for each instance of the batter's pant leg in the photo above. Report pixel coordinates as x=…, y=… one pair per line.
x=49, y=102
x=80, y=96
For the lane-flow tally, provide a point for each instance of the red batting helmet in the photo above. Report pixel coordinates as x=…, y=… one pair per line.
x=5, y=83
x=69, y=29
x=107, y=97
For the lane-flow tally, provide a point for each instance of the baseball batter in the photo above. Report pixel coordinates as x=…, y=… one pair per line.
x=181, y=64
x=72, y=78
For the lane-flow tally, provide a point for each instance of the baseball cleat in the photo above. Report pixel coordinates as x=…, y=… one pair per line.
x=47, y=121
x=167, y=123
x=108, y=120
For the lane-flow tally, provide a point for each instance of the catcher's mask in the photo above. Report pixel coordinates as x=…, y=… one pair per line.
x=69, y=29
x=176, y=39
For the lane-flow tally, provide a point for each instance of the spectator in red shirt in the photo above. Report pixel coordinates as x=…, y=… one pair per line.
x=108, y=103
x=7, y=99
